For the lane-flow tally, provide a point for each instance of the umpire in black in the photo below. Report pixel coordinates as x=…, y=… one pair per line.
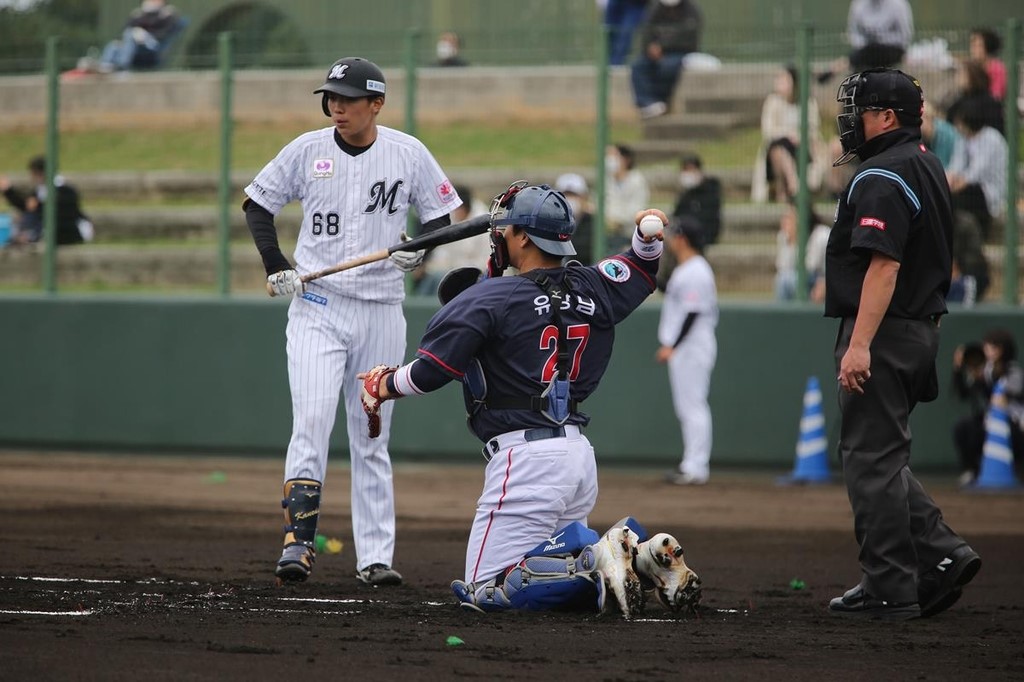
x=887, y=272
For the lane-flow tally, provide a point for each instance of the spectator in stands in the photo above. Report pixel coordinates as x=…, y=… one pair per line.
x=977, y=172
x=622, y=17
x=449, y=50
x=972, y=85
x=149, y=30
x=670, y=31
x=814, y=256
x=626, y=192
x=984, y=47
x=576, y=192
x=938, y=135
x=785, y=257
x=976, y=370
x=472, y=252
x=699, y=198
x=775, y=169
x=73, y=227
x=879, y=33
x=970, y=278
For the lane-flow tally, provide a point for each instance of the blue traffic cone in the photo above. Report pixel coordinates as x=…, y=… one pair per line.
x=812, y=445
x=997, y=455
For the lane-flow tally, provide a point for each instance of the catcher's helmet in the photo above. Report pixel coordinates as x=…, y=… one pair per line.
x=875, y=89
x=352, y=77
x=543, y=212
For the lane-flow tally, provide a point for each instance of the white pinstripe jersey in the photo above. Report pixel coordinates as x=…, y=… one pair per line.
x=354, y=205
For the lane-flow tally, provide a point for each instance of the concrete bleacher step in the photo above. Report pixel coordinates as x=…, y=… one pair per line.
x=140, y=224
x=692, y=126
x=741, y=268
x=746, y=107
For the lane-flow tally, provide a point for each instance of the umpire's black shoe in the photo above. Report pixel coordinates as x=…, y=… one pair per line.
x=857, y=603
x=941, y=587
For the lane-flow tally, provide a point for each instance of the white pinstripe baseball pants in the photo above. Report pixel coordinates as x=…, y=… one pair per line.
x=328, y=344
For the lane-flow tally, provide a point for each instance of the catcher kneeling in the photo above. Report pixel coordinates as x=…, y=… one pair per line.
x=529, y=350
x=577, y=569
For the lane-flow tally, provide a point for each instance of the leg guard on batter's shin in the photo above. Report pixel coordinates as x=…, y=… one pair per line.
x=539, y=583
x=301, y=505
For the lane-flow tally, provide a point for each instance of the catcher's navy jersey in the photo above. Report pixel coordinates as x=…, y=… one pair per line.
x=506, y=324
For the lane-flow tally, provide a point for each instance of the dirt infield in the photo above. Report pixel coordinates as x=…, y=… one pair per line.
x=159, y=568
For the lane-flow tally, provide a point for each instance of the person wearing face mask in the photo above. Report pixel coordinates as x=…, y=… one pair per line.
x=449, y=50
x=576, y=192
x=148, y=31
x=626, y=192
x=700, y=198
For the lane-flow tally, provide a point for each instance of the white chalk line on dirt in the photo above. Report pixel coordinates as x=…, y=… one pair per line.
x=152, y=581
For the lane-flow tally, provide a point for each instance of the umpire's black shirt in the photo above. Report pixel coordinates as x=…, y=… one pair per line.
x=898, y=205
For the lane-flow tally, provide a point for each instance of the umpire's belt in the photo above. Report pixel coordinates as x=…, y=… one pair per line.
x=511, y=439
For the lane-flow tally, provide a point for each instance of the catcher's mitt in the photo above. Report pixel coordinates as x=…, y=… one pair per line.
x=370, y=395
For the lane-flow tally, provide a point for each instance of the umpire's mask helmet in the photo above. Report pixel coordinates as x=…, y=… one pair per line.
x=875, y=90
x=352, y=77
x=542, y=212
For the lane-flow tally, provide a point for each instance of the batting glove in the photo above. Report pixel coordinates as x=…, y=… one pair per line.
x=284, y=283
x=370, y=395
x=407, y=261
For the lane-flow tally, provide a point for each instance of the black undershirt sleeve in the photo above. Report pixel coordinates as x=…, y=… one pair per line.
x=687, y=323
x=264, y=233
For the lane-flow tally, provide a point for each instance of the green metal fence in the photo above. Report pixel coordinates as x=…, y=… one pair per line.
x=745, y=257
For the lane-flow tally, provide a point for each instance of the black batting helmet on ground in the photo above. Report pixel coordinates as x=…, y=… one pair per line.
x=352, y=77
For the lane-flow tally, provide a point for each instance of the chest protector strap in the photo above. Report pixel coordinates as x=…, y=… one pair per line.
x=554, y=403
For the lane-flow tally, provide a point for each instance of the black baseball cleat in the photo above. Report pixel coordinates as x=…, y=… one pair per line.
x=295, y=564
x=941, y=587
x=379, y=574
x=857, y=603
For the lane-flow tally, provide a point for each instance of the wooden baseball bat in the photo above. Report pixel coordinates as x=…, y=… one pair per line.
x=445, y=235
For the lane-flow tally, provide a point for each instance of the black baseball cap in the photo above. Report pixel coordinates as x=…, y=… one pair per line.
x=688, y=227
x=354, y=77
x=889, y=89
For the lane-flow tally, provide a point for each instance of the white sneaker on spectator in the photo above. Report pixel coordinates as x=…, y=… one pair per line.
x=653, y=110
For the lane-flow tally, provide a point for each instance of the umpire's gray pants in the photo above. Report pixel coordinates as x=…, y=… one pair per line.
x=897, y=525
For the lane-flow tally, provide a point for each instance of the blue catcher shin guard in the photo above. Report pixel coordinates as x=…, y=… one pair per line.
x=571, y=539
x=538, y=583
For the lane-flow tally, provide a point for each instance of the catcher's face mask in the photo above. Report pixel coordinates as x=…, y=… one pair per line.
x=499, y=209
x=850, y=120
x=874, y=90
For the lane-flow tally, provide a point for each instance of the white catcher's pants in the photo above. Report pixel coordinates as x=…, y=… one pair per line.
x=327, y=346
x=531, y=489
x=689, y=373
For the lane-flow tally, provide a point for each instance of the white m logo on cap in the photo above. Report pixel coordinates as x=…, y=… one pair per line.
x=338, y=72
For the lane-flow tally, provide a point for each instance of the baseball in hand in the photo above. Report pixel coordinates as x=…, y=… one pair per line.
x=651, y=225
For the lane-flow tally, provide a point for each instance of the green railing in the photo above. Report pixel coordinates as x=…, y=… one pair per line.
x=811, y=50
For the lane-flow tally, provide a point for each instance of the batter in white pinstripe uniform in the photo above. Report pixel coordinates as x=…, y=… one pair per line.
x=686, y=333
x=356, y=181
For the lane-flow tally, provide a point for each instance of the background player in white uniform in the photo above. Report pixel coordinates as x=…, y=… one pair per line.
x=356, y=181
x=686, y=333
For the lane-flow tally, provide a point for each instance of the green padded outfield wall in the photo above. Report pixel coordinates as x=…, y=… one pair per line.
x=208, y=375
